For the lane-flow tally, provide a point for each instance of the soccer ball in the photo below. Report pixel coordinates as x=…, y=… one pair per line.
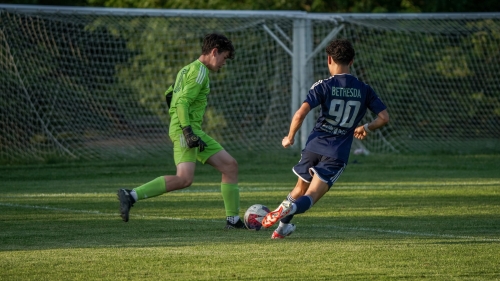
x=254, y=216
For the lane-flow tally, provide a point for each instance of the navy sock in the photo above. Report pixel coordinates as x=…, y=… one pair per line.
x=303, y=204
x=287, y=219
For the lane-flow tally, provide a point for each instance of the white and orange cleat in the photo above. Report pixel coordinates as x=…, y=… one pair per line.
x=273, y=217
x=283, y=232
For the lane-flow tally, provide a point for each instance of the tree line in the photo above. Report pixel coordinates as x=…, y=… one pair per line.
x=313, y=6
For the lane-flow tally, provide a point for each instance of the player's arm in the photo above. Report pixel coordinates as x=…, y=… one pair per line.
x=362, y=131
x=190, y=90
x=186, y=96
x=297, y=120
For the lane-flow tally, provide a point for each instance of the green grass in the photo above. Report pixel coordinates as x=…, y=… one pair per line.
x=388, y=217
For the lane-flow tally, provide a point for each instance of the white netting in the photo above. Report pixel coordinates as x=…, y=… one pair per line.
x=440, y=77
x=89, y=83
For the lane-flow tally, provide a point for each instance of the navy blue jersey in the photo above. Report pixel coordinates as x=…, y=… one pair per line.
x=343, y=100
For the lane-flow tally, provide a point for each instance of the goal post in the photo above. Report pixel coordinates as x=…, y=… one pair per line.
x=88, y=82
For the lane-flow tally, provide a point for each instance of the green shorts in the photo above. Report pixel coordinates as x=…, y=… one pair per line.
x=182, y=153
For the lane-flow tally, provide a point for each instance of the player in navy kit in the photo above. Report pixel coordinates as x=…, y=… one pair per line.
x=343, y=100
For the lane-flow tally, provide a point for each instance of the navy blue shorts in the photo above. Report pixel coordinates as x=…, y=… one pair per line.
x=326, y=168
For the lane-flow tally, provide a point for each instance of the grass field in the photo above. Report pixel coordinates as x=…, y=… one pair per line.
x=389, y=217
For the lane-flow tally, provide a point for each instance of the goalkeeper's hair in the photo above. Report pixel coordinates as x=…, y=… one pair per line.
x=219, y=41
x=341, y=51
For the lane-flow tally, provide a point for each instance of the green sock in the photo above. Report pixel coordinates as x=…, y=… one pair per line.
x=231, y=196
x=151, y=189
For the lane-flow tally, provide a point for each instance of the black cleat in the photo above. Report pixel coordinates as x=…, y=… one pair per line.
x=238, y=225
x=126, y=202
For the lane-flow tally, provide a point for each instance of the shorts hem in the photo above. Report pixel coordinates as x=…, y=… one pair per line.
x=300, y=176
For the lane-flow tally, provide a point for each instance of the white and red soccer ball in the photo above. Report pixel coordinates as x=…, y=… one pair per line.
x=254, y=215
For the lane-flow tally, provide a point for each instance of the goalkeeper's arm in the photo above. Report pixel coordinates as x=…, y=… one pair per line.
x=189, y=92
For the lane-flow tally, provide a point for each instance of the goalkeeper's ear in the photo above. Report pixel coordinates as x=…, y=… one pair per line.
x=168, y=95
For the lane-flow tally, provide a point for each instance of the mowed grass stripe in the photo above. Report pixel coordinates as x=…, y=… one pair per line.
x=322, y=226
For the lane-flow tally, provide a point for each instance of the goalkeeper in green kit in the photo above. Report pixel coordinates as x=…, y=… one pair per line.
x=187, y=101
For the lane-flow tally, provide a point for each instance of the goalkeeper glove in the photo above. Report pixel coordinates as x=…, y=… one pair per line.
x=193, y=140
x=168, y=95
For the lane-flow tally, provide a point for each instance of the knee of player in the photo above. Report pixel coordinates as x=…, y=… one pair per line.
x=233, y=166
x=187, y=182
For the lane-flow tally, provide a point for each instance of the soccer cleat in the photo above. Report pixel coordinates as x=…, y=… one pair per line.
x=283, y=232
x=238, y=225
x=273, y=217
x=126, y=202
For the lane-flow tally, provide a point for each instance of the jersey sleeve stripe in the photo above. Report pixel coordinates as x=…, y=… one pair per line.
x=201, y=74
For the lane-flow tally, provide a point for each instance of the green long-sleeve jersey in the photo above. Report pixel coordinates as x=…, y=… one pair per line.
x=189, y=99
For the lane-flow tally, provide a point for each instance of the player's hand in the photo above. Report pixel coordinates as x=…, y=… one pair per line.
x=360, y=133
x=286, y=142
x=193, y=140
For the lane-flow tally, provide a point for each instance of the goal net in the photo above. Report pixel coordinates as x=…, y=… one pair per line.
x=88, y=82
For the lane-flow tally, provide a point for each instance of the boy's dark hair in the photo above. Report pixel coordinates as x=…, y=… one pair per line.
x=219, y=41
x=341, y=51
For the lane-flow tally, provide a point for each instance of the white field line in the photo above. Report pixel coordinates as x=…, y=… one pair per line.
x=362, y=229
